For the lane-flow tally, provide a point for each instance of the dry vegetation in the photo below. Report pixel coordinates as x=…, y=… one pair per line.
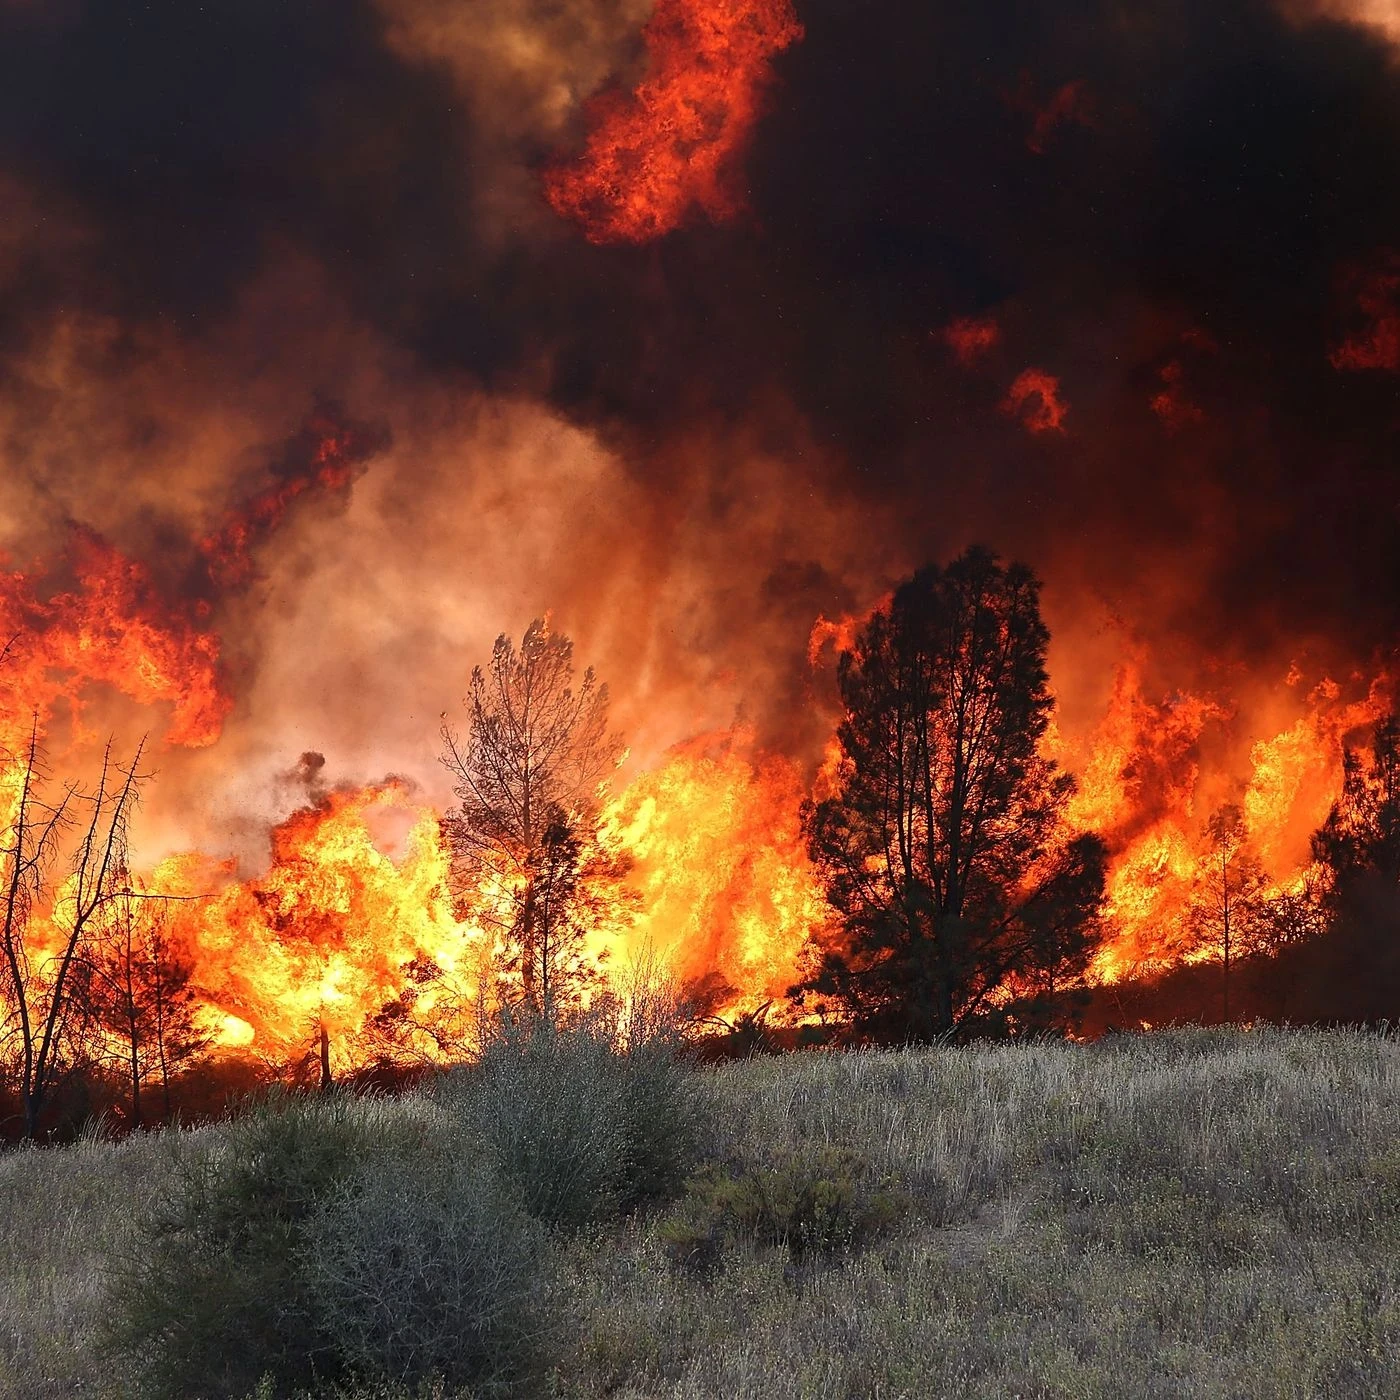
x=1180, y=1214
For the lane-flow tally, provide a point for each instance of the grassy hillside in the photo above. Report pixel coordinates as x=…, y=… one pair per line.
x=1177, y=1214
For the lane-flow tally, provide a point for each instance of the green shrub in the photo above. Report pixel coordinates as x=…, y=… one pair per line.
x=661, y=1116
x=213, y=1297
x=579, y=1131
x=817, y=1202
x=423, y=1270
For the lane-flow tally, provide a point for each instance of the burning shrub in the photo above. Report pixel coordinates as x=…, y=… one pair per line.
x=424, y=1271
x=807, y=1202
x=579, y=1131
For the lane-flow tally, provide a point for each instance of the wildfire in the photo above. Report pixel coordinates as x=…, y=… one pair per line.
x=1145, y=786
x=355, y=894
x=355, y=915
x=356, y=905
x=96, y=618
x=327, y=454
x=728, y=897
x=355, y=931
x=674, y=143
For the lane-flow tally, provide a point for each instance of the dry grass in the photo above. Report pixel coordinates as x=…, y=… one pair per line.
x=1194, y=1214
x=63, y=1216
x=1187, y=1214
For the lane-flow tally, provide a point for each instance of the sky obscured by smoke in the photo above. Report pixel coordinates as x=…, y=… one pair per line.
x=1173, y=215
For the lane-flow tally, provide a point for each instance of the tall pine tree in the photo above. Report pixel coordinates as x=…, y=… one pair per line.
x=957, y=891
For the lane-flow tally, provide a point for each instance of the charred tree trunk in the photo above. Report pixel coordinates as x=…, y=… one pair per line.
x=161, y=1058
x=527, y=939
x=135, y=1085
x=944, y=1022
x=133, y=1027
x=1225, y=887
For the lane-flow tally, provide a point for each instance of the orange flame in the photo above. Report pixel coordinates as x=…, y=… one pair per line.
x=728, y=896
x=322, y=939
x=109, y=626
x=839, y=633
x=674, y=144
x=327, y=455
x=1145, y=786
x=355, y=903
x=96, y=616
x=357, y=898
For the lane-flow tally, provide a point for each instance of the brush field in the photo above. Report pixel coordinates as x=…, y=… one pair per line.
x=1181, y=1214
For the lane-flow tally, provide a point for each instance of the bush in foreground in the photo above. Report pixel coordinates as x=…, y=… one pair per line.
x=317, y=1242
x=426, y=1271
x=331, y=1241
x=821, y=1201
x=214, y=1295
x=1214, y=1217
x=579, y=1132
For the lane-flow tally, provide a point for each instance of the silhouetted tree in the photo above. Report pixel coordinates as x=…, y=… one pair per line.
x=1292, y=916
x=1359, y=847
x=1229, y=896
x=1360, y=840
x=574, y=893
x=528, y=776
x=39, y=974
x=945, y=860
x=136, y=989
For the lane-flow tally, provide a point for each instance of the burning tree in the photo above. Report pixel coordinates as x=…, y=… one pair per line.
x=41, y=949
x=136, y=987
x=528, y=775
x=1360, y=840
x=1359, y=847
x=942, y=847
x=1228, y=907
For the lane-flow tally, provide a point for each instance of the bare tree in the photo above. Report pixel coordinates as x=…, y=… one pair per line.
x=38, y=982
x=138, y=992
x=1227, y=906
x=528, y=775
x=434, y=1016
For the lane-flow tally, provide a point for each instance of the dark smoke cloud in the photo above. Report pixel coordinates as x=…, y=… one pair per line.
x=1201, y=200
x=192, y=140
